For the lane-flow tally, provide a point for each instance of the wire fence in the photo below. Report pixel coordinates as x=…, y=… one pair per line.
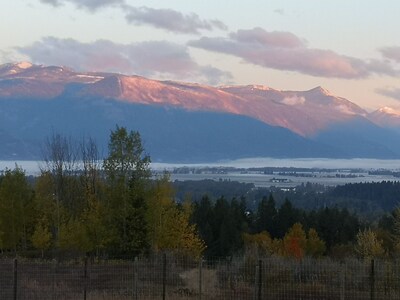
x=170, y=277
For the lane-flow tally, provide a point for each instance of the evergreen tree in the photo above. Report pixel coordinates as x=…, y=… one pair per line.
x=286, y=217
x=266, y=216
x=203, y=217
x=127, y=171
x=137, y=231
x=337, y=226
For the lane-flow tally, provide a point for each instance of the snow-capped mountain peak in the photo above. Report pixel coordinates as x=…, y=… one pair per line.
x=14, y=68
x=386, y=117
x=389, y=111
x=260, y=87
x=24, y=65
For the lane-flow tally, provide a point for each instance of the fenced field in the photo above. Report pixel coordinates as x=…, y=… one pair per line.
x=170, y=277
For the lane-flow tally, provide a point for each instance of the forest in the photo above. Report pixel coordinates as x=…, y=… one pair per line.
x=81, y=204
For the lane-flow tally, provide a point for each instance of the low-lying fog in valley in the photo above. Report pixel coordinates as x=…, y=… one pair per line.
x=328, y=172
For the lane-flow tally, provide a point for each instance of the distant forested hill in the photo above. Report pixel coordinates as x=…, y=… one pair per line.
x=385, y=194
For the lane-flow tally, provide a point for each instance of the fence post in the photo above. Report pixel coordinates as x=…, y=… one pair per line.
x=134, y=281
x=259, y=280
x=342, y=281
x=53, y=279
x=164, y=278
x=15, y=278
x=255, y=282
x=372, y=280
x=200, y=276
x=85, y=278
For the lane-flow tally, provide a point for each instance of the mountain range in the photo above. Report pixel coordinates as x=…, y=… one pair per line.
x=186, y=122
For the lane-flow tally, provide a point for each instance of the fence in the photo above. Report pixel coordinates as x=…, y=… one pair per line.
x=169, y=277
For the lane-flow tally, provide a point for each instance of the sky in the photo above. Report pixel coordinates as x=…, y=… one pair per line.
x=351, y=48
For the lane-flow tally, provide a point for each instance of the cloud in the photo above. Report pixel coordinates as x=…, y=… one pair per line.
x=261, y=37
x=381, y=67
x=390, y=92
x=91, y=5
x=285, y=51
x=7, y=56
x=293, y=100
x=214, y=75
x=167, y=19
x=343, y=108
x=392, y=53
x=170, y=20
x=52, y=2
x=153, y=58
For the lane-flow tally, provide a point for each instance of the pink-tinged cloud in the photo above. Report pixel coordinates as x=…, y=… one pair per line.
x=87, y=4
x=285, y=51
x=392, y=92
x=170, y=20
x=156, y=58
x=392, y=53
x=268, y=39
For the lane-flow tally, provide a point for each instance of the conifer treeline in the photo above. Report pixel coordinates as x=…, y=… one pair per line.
x=228, y=228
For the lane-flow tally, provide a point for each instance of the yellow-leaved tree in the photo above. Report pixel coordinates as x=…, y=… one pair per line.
x=73, y=236
x=48, y=214
x=315, y=247
x=169, y=224
x=258, y=244
x=295, y=241
x=368, y=246
x=41, y=237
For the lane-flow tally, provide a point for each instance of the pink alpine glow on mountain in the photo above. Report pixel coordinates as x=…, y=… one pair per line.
x=303, y=112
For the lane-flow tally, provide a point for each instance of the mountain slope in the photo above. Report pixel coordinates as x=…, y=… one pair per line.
x=386, y=117
x=361, y=138
x=169, y=134
x=184, y=121
x=302, y=112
